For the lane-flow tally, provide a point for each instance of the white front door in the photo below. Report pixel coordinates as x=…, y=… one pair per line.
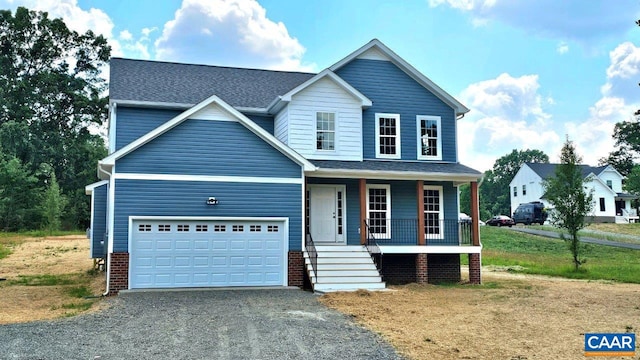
x=327, y=213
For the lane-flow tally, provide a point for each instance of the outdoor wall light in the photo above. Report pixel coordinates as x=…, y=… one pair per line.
x=212, y=201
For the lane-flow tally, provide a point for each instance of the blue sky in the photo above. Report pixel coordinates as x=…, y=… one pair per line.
x=531, y=72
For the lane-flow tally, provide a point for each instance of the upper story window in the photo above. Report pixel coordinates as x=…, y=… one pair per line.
x=388, y=136
x=429, y=137
x=524, y=190
x=325, y=131
x=610, y=184
x=515, y=191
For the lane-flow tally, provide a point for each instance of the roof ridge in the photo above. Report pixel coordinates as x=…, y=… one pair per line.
x=209, y=65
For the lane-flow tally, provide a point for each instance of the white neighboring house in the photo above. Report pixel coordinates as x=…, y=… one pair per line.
x=610, y=203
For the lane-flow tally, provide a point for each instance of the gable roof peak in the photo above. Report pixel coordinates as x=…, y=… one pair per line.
x=403, y=65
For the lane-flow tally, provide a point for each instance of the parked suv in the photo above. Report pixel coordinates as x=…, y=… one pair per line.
x=529, y=213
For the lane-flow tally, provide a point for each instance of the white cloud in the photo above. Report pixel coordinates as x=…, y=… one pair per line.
x=562, y=48
x=625, y=61
x=147, y=31
x=125, y=35
x=568, y=19
x=229, y=32
x=507, y=113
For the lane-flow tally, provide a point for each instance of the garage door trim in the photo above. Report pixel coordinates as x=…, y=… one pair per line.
x=285, y=220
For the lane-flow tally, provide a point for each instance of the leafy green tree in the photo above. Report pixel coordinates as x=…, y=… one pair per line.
x=51, y=93
x=622, y=159
x=571, y=203
x=632, y=183
x=18, y=195
x=53, y=205
x=494, y=188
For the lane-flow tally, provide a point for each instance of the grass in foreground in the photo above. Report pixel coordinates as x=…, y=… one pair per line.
x=532, y=254
x=9, y=240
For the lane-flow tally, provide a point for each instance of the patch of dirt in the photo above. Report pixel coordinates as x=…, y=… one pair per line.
x=47, y=256
x=510, y=317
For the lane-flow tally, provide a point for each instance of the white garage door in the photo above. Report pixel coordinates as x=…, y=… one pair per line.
x=174, y=253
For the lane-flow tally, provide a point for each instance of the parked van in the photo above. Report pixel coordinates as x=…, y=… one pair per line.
x=529, y=213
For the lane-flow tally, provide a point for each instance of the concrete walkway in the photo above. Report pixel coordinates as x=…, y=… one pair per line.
x=585, y=239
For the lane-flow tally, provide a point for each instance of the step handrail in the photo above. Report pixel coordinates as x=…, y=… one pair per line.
x=312, y=253
x=372, y=246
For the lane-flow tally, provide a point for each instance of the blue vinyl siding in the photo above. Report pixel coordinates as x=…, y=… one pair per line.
x=187, y=198
x=265, y=122
x=393, y=91
x=132, y=123
x=99, y=225
x=205, y=147
x=404, y=205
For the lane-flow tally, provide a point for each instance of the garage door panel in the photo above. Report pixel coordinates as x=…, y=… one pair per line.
x=201, y=244
x=164, y=245
x=200, y=261
x=173, y=253
x=219, y=261
x=182, y=261
x=163, y=262
x=220, y=244
x=183, y=244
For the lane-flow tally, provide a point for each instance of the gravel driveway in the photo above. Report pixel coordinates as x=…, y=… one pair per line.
x=213, y=324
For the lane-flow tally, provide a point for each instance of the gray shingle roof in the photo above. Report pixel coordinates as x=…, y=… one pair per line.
x=408, y=166
x=548, y=170
x=154, y=81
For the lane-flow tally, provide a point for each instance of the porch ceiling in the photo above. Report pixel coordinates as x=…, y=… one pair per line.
x=401, y=170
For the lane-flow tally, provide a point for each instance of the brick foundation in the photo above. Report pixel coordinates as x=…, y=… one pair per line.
x=398, y=269
x=475, y=269
x=296, y=269
x=443, y=268
x=422, y=269
x=119, y=273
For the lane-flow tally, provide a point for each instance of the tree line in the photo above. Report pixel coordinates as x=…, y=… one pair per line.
x=51, y=95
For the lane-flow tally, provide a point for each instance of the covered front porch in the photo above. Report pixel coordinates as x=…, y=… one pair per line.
x=409, y=223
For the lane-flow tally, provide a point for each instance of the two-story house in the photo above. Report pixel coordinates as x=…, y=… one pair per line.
x=221, y=176
x=611, y=204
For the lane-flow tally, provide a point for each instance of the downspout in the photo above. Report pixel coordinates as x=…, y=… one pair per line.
x=108, y=259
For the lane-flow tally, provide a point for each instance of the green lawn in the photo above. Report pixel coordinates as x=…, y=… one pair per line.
x=538, y=255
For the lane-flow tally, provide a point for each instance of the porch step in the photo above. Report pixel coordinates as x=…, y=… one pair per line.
x=348, y=287
x=348, y=279
x=343, y=268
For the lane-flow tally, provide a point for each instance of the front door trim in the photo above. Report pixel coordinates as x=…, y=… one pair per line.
x=340, y=239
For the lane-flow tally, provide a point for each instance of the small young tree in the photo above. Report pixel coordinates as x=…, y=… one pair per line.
x=570, y=200
x=53, y=205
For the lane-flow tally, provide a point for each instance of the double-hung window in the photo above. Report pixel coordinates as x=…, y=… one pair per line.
x=429, y=137
x=325, y=131
x=433, y=212
x=388, y=136
x=379, y=210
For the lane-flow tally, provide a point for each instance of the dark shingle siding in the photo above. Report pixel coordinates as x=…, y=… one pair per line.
x=409, y=166
x=153, y=81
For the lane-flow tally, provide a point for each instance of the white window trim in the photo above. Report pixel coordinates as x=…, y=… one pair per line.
x=398, y=153
x=419, y=118
x=335, y=131
x=387, y=234
x=440, y=235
